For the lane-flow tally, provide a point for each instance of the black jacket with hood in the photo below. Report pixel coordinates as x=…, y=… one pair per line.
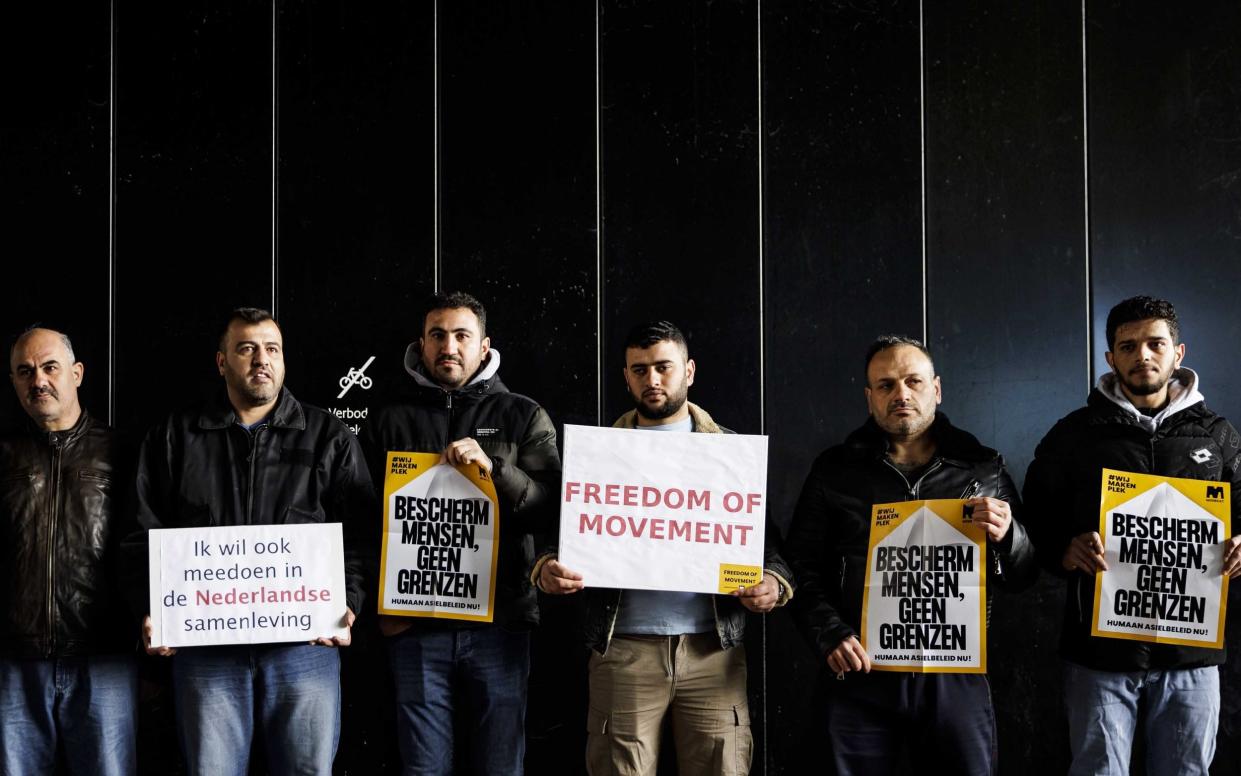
x=1062, y=495
x=518, y=437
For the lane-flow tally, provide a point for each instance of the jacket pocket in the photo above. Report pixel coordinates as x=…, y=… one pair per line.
x=94, y=475
x=298, y=515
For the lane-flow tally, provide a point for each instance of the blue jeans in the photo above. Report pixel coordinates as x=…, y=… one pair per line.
x=483, y=670
x=85, y=703
x=291, y=692
x=1179, y=718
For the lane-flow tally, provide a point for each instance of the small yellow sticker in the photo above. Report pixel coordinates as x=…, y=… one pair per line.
x=733, y=577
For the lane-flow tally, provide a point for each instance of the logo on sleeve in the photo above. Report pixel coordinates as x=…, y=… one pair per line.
x=1201, y=455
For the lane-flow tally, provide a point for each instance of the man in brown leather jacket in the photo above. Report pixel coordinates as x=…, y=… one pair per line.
x=65, y=677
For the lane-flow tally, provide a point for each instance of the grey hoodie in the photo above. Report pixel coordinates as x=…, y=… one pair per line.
x=1182, y=393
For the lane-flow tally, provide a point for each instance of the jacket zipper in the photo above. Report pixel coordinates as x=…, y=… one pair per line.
x=54, y=518
x=254, y=451
x=912, y=490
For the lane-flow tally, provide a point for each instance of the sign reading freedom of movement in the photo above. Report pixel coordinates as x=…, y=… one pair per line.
x=246, y=584
x=654, y=510
x=1163, y=542
x=441, y=539
x=924, y=607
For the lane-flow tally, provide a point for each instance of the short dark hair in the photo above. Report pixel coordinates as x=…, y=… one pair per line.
x=885, y=341
x=648, y=334
x=249, y=315
x=1141, y=308
x=451, y=300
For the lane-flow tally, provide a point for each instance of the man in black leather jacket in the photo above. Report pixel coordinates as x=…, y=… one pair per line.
x=904, y=451
x=255, y=455
x=67, y=669
x=449, y=670
x=1145, y=416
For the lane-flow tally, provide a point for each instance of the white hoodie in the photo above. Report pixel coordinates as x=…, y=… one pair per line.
x=1182, y=393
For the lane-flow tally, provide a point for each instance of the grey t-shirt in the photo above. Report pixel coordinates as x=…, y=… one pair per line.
x=660, y=612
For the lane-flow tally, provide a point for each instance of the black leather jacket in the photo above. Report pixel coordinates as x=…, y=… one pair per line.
x=58, y=532
x=199, y=468
x=1062, y=497
x=830, y=534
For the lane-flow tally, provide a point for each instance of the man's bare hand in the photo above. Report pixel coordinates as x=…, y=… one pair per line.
x=762, y=597
x=994, y=515
x=467, y=451
x=339, y=641
x=1085, y=554
x=557, y=579
x=849, y=655
x=1232, y=557
x=147, y=630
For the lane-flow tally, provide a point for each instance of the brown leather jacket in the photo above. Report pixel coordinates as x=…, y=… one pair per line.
x=59, y=526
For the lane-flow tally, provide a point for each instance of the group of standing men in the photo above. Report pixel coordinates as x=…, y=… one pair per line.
x=72, y=530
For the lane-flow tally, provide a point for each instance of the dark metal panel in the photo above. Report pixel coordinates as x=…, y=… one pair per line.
x=54, y=204
x=679, y=111
x=1006, y=289
x=193, y=208
x=517, y=178
x=843, y=265
x=356, y=217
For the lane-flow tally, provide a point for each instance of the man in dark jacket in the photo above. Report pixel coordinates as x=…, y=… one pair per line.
x=68, y=675
x=254, y=455
x=1145, y=416
x=448, y=669
x=905, y=451
x=660, y=653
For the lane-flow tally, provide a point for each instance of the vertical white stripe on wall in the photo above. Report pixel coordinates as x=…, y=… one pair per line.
x=922, y=153
x=598, y=229
x=1086, y=210
x=435, y=112
x=762, y=307
x=275, y=160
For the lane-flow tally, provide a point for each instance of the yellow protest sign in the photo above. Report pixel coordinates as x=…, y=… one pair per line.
x=441, y=539
x=1163, y=542
x=924, y=606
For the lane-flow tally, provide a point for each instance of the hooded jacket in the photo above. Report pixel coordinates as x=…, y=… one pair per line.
x=518, y=437
x=830, y=535
x=59, y=520
x=602, y=605
x=1062, y=495
x=199, y=468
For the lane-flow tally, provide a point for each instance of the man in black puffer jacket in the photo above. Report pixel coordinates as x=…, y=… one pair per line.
x=905, y=451
x=1146, y=416
x=68, y=674
x=457, y=405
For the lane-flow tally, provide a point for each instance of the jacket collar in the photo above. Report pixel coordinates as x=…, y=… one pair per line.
x=1182, y=394
x=67, y=435
x=951, y=443
x=219, y=413
x=485, y=379
x=703, y=423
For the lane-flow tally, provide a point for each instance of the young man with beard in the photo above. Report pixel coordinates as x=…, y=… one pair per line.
x=449, y=670
x=68, y=675
x=1146, y=416
x=659, y=653
x=882, y=722
x=254, y=455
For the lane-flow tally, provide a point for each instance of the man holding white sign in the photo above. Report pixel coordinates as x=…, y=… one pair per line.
x=1145, y=421
x=250, y=478
x=906, y=451
x=659, y=652
x=461, y=650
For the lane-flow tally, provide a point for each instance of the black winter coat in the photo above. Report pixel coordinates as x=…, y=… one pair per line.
x=59, y=521
x=199, y=468
x=518, y=437
x=1062, y=501
x=830, y=534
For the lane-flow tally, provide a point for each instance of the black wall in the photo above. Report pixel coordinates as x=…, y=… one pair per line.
x=785, y=180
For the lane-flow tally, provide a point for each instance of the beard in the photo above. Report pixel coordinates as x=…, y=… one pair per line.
x=1146, y=386
x=673, y=402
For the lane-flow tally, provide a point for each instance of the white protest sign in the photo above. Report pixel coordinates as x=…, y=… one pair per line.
x=247, y=584
x=924, y=607
x=653, y=510
x=1163, y=543
x=441, y=539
